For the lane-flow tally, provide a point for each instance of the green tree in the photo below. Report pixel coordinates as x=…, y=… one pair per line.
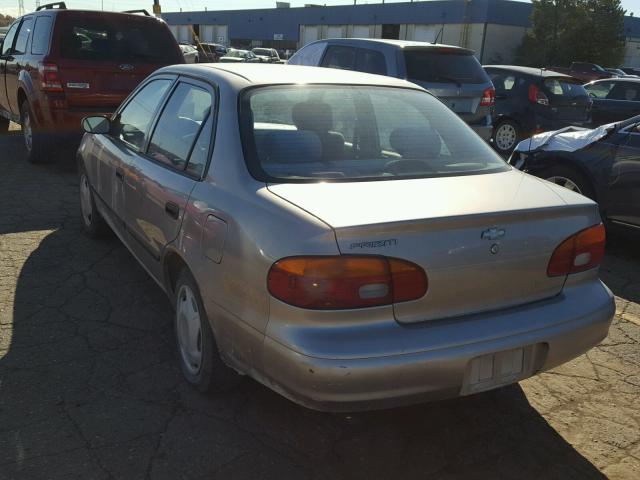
x=563, y=31
x=6, y=20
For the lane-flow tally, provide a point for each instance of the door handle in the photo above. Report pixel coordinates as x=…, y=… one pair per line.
x=172, y=210
x=119, y=174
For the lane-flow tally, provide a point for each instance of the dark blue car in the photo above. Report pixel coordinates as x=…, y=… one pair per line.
x=605, y=166
x=532, y=100
x=614, y=99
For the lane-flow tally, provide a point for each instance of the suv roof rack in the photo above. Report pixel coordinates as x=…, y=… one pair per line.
x=51, y=6
x=142, y=10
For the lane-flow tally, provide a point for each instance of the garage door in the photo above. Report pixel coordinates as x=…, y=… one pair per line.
x=335, y=31
x=206, y=33
x=425, y=33
x=309, y=33
x=360, y=31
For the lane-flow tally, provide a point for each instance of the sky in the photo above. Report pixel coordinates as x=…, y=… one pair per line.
x=11, y=6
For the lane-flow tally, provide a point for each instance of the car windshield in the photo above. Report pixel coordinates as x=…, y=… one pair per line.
x=338, y=133
x=443, y=65
x=105, y=40
x=237, y=53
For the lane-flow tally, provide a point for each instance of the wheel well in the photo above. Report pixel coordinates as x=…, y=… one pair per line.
x=173, y=265
x=503, y=118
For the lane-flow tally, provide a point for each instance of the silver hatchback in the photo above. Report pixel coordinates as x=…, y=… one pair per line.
x=343, y=238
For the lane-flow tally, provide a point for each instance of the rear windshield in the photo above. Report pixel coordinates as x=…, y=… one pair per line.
x=443, y=66
x=109, y=39
x=309, y=133
x=566, y=88
x=262, y=51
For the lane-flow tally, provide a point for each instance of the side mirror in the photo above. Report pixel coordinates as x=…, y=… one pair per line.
x=96, y=125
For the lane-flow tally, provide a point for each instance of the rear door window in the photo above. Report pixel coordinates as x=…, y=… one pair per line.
x=134, y=120
x=370, y=61
x=340, y=57
x=443, y=66
x=125, y=41
x=23, y=36
x=179, y=125
x=41, y=35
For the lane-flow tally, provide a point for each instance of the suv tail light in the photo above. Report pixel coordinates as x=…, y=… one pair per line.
x=578, y=253
x=488, y=97
x=536, y=96
x=345, y=281
x=49, y=77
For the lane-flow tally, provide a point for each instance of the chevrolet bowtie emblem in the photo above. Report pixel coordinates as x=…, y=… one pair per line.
x=493, y=233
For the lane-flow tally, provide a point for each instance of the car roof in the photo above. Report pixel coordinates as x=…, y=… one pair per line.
x=624, y=79
x=396, y=43
x=244, y=75
x=536, y=72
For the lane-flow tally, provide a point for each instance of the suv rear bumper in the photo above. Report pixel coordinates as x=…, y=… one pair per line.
x=558, y=330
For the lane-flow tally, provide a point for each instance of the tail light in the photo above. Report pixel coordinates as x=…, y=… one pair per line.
x=578, y=253
x=488, y=97
x=345, y=281
x=536, y=96
x=49, y=77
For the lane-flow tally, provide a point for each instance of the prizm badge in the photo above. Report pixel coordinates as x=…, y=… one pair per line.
x=493, y=233
x=391, y=242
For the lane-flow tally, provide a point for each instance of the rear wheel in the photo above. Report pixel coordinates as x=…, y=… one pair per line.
x=4, y=125
x=569, y=178
x=506, y=135
x=198, y=351
x=37, y=145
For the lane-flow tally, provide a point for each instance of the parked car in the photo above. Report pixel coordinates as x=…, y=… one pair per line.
x=211, y=52
x=585, y=72
x=620, y=73
x=190, y=53
x=269, y=55
x=614, y=100
x=602, y=164
x=631, y=70
x=58, y=65
x=451, y=73
x=343, y=238
x=238, y=56
x=531, y=100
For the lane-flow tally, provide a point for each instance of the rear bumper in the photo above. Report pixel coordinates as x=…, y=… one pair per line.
x=437, y=353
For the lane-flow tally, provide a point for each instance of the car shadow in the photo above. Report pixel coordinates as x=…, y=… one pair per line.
x=89, y=386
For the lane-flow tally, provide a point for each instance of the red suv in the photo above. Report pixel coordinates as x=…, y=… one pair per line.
x=58, y=66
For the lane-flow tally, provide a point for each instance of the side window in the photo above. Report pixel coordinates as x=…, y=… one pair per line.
x=625, y=91
x=134, y=120
x=41, y=35
x=7, y=46
x=309, y=55
x=179, y=125
x=200, y=153
x=23, y=36
x=370, y=61
x=599, y=90
x=340, y=57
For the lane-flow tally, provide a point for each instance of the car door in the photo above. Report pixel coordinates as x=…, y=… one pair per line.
x=16, y=62
x=624, y=184
x=6, y=55
x=162, y=178
x=110, y=161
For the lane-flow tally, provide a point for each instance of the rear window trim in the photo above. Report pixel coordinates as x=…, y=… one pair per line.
x=252, y=162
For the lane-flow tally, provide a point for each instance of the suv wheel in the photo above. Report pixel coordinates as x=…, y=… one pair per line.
x=92, y=222
x=38, y=147
x=199, y=357
x=506, y=135
x=4, y=125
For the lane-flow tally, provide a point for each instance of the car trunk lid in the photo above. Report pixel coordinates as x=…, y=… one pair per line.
x=481, y=252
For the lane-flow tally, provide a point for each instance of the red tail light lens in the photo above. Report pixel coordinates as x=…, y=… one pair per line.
x=536, y=96
x=345, y=281
x=49, y=77
x=488, y=97
x=578, y=253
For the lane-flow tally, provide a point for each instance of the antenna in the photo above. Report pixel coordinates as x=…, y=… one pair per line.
x=435, y=40
x=20, y=8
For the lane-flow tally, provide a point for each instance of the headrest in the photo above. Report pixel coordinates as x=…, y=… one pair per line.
x=288, y=146
x=415, y=142
x=314, y=116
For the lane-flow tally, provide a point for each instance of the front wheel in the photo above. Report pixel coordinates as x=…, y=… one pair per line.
x=198, y=351
x=92, y=222
x=506, y=135
x=569, y=178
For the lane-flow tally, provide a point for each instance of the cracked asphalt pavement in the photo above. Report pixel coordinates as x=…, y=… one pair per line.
x=90, y=389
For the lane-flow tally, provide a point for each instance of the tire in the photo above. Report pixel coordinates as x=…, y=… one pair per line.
x=198, y=351
x=4, y=125
x=569, y=178
x=92, y=222
x=37, y=145
x=506, y=135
